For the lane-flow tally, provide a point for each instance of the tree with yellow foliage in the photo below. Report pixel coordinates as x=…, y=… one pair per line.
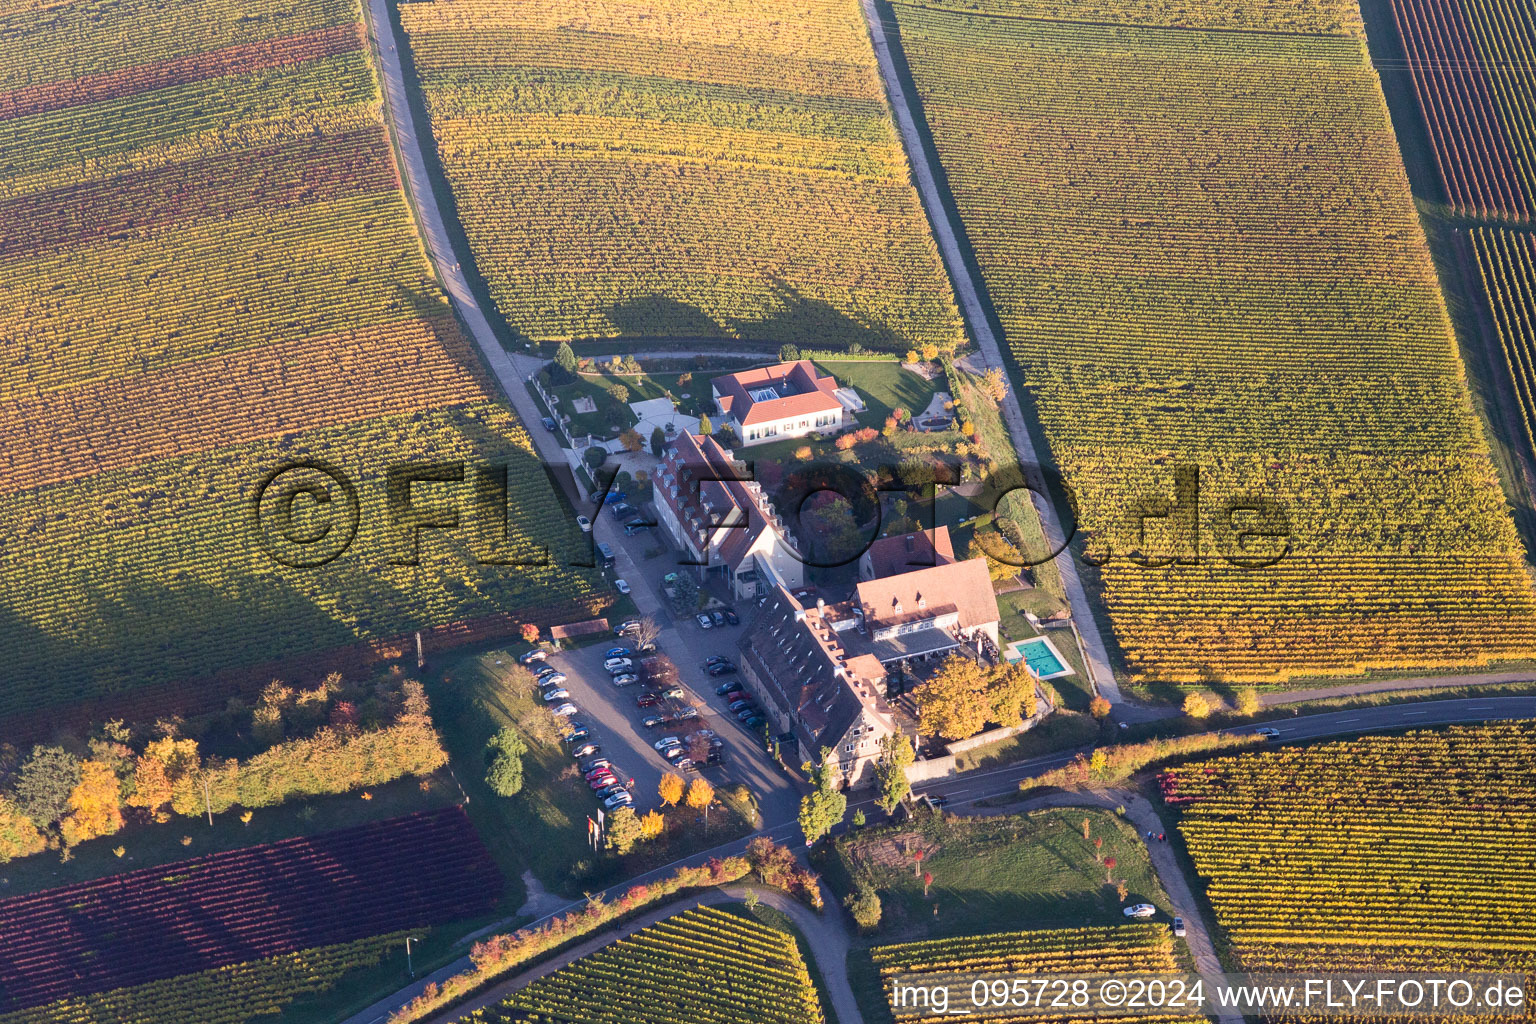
x=93, y=806
x=670, y=789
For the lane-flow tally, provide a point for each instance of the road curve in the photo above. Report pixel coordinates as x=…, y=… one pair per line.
x=975, y=313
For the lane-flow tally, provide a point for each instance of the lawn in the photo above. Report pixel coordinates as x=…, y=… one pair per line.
x=1000, y=873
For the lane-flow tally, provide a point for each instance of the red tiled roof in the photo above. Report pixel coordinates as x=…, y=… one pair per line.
x=808, y=394
x=889, y=556
x=964, y=586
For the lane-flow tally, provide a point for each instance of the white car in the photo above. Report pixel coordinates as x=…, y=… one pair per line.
x=584, y=523
x=565, y=710
x=667, y=741
x=704, y=621
x=558, y=693
x=621, y=586
x=1140, y=910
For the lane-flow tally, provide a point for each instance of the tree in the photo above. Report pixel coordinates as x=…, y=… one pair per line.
x=700, y=795
x=1099, y=708
x=93, y=805
x=504, y=762
x=19, y=836
x=670, y=789
x=631, y=440
x=652, y=824
x=864, y=905
x=1247, y=701
x=891, y=770
x=1196, y=705
x=658, y=443
x=789, y=354
x=47, y=778
x=823, y=807
x=954, y=703
x=530, y=633
x=565, y=357
x=705, y=427
x=1012, y=694
x=622, y=831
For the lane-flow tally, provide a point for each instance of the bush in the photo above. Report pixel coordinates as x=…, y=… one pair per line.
x=864, y=904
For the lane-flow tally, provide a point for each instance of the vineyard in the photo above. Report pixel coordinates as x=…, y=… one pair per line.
x=1125, y=949
x=1412, y=851
x=703, y=966
x=1476, y=89
x=229, y=908
x=209, y=268
x=670, y=169
x=225, y=995
x=1203, y=252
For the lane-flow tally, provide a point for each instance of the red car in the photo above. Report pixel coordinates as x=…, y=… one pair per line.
x=648, y=699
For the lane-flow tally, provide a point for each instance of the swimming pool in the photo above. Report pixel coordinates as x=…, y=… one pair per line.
x=1040, y=655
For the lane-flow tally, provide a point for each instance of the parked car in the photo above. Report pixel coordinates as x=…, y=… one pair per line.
x=731, y=617
x=618, y=652
x=625, y=679
x=630, y=529
x=648, y=699
x=686, y=713
x=584, y=523
x=734, y=686
x=667, y=741
x=1178, y=927
x=618, y=800
x=1140, y=910
x=718, y=617
x=615, y=666
x=655, y=721
x=1268, y=733
x=623, y=509
x=558, y=693
x=704, y=621
x=530, y=657
x=725, y=668
x=565, y=710
x=586, y=750
x=621, y=585
x=626, y=627
x=549, y=423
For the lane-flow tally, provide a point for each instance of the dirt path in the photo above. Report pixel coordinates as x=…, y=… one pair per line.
x=974, y=310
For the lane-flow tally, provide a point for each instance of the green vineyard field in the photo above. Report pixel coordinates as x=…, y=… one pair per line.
x=672, y=170
x=213, y=270
x=703, y=966
x=1203, y=252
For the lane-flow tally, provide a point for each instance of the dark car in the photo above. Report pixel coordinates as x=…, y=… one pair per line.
x=648, y=699
x=723, y=669
x=732, y=617
x=731, y=687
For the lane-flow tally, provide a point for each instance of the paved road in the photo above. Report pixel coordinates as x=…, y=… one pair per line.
x=975, y=313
